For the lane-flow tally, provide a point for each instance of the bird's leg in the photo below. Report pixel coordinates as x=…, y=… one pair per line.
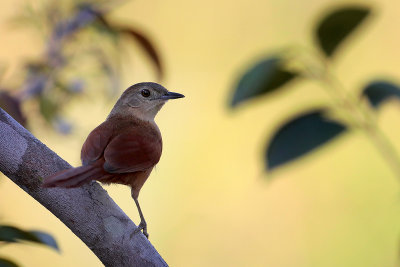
x=142, y=225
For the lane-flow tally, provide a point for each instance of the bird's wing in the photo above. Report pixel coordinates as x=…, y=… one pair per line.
x=95, y=144
x=131, y=151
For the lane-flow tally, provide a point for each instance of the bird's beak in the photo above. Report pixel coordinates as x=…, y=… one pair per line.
x=171, y=95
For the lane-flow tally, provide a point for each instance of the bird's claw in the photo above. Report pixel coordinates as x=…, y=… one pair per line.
x=142, y=226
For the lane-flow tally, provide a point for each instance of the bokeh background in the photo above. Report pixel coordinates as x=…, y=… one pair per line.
x=209, y=201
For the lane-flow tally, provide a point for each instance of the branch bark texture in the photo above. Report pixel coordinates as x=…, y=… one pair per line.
x=88, y=211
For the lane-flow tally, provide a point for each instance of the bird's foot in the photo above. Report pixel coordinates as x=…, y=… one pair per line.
x=142, y=226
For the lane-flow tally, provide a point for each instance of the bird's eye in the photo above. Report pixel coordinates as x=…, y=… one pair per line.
x=145, y=93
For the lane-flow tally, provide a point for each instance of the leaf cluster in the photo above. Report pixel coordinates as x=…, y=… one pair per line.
x=83, y=50
x=311, y=129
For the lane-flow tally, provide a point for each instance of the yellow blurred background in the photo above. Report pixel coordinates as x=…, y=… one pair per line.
x=209, y=203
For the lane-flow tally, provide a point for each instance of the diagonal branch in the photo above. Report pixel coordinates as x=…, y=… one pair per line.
x=88, y=211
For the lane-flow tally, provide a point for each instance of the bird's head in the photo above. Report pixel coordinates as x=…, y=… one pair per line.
x=143, y=100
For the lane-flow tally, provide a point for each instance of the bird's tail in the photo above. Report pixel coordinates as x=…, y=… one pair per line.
x=74, y=177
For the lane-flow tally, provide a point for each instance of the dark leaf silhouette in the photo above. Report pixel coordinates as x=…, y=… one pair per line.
x=7, y=263
x=337, y=25
x=379, y=91
x=46, y=239
x=12, y=106
x=300, y=136
x=14, y=234
x=264, y=77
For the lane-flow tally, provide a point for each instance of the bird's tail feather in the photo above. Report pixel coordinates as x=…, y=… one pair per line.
x=74, y=177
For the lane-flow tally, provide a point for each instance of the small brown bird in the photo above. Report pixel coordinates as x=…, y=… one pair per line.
x=125, y=148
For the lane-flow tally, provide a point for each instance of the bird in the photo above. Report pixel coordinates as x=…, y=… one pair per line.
x=124, y=148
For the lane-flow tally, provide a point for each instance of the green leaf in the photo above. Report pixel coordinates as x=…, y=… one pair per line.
x=264, y=77
x=48, y=108
x=13, y=234
x=337, y=25
x=45, y=239
x=379, y=91
x=299, y=136
x=7, y=263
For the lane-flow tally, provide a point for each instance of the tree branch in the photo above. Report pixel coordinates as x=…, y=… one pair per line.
x=88, y=211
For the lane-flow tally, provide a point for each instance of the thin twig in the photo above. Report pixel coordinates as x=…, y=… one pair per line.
x=364, y=119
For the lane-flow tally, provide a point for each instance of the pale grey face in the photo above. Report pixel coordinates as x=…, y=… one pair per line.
x=148, y=96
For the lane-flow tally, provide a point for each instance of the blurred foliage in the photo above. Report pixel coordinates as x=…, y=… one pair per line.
x=308, y=131
x=315, y=130
x=82, y=50
x=336, y=26
x=379, y=91
x=7, y=263
x=266, y=76
x=11, y=234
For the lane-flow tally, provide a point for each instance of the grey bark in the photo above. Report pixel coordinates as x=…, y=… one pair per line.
x=88, y=211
